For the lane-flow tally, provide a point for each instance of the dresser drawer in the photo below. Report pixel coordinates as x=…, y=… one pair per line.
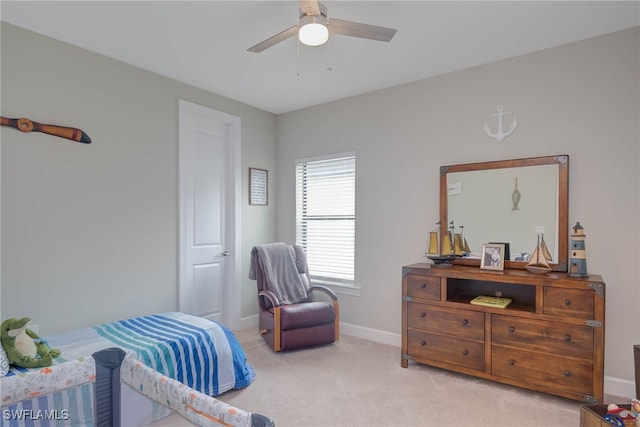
x=541, y=336
x=556, y=372
x=447, y=349
x=459, y=323
x=423, y=286
x=568, y=302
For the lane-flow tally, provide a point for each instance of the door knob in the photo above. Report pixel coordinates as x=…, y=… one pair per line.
x=224, y=253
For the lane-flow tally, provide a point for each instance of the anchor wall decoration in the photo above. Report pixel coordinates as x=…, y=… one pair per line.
x=500, y=134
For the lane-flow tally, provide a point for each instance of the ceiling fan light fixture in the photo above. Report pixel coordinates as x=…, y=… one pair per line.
x=313, y=28
x=313, y=31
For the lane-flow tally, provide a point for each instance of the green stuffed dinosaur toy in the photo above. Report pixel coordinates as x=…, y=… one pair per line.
x=24, y=345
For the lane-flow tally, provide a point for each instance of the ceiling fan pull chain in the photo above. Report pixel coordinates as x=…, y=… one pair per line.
x=298, y=57
x=329, y=68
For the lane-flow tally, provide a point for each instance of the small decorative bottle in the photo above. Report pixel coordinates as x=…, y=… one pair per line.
x=578, y=262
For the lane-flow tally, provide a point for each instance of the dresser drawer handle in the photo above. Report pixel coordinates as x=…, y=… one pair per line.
x=567, y=338
x=567, y=302
x=465, y=352
x=423, y=314
x=423, y=286
x=512, y=329
x=423, y=343
x=567, y=374
x=465, y=322
x=512, y=362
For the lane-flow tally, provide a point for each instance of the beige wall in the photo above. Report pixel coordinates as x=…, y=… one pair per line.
x=580, y=99
x=90, y=232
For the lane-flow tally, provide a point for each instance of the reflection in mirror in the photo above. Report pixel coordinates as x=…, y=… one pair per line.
x=508, y=201
x=511, y=205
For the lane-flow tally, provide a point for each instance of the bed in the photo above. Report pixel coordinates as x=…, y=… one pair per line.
x=189, y=358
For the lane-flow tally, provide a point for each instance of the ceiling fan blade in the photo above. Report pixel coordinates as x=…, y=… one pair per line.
x=364, y=31
x=309, y=7
x=289, y=32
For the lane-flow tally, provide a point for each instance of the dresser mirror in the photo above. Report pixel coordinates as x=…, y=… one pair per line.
x=518, y=201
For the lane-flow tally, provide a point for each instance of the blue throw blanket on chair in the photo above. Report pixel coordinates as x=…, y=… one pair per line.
x=279, y=266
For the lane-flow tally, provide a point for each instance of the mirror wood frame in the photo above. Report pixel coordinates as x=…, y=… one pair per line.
x=563, y=203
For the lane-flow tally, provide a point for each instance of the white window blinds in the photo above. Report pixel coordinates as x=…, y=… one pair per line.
x=325, y=217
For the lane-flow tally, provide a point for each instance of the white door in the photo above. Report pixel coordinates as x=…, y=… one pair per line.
x=209, y=265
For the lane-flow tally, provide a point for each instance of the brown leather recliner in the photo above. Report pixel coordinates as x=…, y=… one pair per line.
x=287, y=325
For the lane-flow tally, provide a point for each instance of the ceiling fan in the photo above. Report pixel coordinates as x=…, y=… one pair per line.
x=314, y=28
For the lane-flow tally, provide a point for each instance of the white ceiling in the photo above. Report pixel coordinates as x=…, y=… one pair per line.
x=204, y=43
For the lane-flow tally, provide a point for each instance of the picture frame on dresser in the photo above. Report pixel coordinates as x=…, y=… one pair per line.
x=492, y=256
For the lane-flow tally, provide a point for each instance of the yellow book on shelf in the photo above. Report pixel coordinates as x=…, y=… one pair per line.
x=488, y=301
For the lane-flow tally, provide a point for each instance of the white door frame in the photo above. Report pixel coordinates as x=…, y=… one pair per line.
x=232, y=291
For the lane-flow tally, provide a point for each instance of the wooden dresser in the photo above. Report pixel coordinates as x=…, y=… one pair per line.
x=550, y=338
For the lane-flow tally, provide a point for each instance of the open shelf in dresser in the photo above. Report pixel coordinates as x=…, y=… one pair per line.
x=550, y=338
x=523, y=297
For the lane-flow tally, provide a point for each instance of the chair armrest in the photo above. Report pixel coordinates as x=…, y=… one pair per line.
x=325, y=290
x=270, y=296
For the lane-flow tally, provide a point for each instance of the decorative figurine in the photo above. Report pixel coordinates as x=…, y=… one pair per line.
x=515, y=197
x=538, y=263
x=578, y=264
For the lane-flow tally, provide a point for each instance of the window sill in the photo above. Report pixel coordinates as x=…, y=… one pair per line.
x=339, y=288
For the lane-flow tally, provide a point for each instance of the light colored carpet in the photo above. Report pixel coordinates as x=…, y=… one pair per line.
x=355, y=382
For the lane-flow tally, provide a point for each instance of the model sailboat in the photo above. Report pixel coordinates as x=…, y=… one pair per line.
x=441, y=256
x=460, y=245
x=452, y=245
x=538, y=263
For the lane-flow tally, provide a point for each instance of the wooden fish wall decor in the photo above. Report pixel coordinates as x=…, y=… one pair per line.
x=26, y=125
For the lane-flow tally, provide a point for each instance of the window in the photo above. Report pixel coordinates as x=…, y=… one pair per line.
x=325, y=217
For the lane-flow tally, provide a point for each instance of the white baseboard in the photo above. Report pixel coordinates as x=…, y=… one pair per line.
x=375, y=335
x=619, y=387
x=249, y=322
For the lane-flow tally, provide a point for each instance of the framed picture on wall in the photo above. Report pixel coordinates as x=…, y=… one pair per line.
x=492, y=256
x=258, y=186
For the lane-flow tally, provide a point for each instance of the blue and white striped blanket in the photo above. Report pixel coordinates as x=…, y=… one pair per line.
x=196, y=351
x=209, y=360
